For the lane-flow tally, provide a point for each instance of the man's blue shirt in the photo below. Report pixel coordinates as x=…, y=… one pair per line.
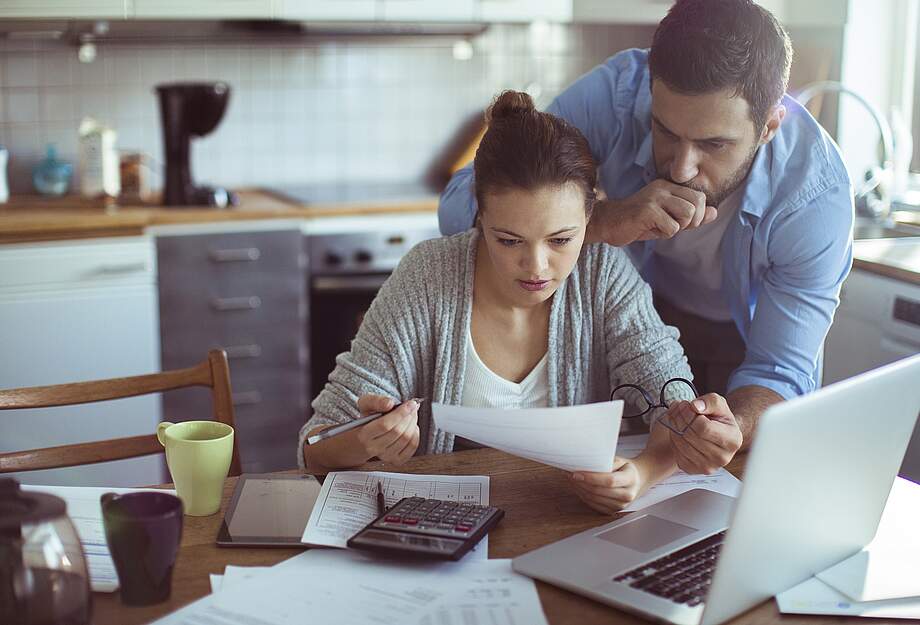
x=786, y=251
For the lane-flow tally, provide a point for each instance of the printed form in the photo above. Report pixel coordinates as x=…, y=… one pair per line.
x=348, y=501
x=85, y=511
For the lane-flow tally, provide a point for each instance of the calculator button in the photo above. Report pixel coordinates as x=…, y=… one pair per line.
x=410, y=521
x=463, y=527
x=393, y=518
x=446, y=526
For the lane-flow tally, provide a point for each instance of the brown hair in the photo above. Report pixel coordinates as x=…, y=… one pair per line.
x=703, y=46
x=526, y=149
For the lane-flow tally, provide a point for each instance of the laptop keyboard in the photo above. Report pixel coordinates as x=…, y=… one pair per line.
x=683, y=576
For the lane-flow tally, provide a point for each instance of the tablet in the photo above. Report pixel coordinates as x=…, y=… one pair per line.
x=268, y=510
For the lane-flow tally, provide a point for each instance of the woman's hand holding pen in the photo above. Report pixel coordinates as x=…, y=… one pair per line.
x=394, y=437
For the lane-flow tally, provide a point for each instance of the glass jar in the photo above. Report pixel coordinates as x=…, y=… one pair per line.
x=43, y=575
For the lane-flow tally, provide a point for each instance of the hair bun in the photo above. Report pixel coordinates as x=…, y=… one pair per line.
x=510, y=103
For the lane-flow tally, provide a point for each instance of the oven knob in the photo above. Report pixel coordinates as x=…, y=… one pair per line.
x=332, y=259
x=363, y=256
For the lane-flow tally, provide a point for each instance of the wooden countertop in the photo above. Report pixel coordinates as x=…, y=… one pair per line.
x=40, y=219
x=898, y=259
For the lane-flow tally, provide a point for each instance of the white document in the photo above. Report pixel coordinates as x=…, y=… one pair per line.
x=815, y=597
x=888, y=567
x=721, y=481
x=85, y=511
x=348, y=501
x=494, y=595
x=573, y=438
x=337, y=587
x=233, y=575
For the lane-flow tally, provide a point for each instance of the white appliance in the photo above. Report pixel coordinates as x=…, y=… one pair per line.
x=75, y=311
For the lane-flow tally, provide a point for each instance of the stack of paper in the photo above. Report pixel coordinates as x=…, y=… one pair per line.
x=880, y=581
x=573, y=438
x=85, y=511
x=338, y=587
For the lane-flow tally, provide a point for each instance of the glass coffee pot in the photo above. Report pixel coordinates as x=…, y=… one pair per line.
x=43, y=574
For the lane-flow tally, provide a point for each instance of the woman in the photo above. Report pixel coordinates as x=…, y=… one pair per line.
x=517, y=312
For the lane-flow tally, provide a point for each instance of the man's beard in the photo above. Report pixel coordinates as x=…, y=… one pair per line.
x=714, y=198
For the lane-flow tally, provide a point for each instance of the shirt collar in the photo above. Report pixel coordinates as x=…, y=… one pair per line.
x=757, y=189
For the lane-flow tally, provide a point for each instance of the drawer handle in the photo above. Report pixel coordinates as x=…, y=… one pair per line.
x=243, y=254
x=236, y=303
x=247, y=398
x=123, y=268
x=243, y=351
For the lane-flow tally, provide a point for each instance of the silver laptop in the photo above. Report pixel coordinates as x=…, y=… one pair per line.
x=815, y=484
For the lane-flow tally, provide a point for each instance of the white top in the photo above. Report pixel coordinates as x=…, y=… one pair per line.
x=694, y=258
x=482, y=388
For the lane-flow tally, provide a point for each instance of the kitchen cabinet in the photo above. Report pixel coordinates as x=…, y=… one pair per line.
x=71, y=312
x=326, y=10
x=202, y=9
x=64, y=9
x=525, y=10
x=788, y=12
x=428, y=10
x=244, y=292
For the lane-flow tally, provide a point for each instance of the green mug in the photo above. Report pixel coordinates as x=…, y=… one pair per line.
x=198, y=454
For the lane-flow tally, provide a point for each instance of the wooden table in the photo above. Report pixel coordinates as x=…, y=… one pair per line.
x=539, y=505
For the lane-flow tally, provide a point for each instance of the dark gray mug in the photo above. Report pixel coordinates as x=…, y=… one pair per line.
x=143, y=531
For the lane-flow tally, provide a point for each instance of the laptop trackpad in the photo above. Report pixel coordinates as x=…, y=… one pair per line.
x=646, y=533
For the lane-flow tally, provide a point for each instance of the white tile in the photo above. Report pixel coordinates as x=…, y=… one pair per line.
x=127, y=68
x=22, y=105
x=223, y=63
x=130, y=102
x=57, y=104
x=64, y=137
x=21, y=70
x=91, y=74
x=25, y=141
x=57, y=68
x=155, y=65
x=263, y=102
x=95, y=103
x=189, y=63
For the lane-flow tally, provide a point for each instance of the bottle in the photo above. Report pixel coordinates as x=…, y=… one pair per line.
x=99, y=175
x=51, y=176
x=4, y=188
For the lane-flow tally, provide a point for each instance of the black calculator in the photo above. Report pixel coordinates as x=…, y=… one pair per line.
x=431, y=528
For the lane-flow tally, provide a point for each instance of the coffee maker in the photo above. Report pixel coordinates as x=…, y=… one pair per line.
x=190, y=109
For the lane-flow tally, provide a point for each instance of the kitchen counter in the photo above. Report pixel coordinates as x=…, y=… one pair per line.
x=893, y=258
x=31, y=218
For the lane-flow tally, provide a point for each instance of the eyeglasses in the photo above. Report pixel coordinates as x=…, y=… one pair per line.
x=637, y=402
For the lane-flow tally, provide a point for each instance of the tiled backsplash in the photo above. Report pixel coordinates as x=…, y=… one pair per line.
x=316, y=111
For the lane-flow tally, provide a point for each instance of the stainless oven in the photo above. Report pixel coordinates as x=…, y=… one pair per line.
x=346, y=271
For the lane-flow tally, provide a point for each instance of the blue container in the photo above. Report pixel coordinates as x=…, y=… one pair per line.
x=51, y=176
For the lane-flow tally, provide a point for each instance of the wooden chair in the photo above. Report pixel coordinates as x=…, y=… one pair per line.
x=213, y=372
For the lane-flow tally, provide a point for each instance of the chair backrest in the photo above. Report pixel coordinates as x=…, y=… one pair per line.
x=213, y=373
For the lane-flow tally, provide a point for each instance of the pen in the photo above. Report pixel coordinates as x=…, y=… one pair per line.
x=338, y=429
x=381, y=500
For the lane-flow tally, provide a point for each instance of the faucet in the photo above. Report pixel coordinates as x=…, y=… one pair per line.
x=873, y=197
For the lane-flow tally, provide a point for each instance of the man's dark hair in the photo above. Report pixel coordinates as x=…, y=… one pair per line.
x=703, y=46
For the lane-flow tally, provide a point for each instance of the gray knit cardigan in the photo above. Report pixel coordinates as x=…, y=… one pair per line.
x=603, y=331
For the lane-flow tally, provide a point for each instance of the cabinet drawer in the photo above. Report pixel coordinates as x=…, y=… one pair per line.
x=248, y=348
x=223, y=261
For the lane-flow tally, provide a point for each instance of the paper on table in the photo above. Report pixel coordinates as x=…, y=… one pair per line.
x=721, y=481
x=887, y=567
x=339, y=587
x=495, y=595
x=85, y=511
x=570, y=437
x=815, y=597
x=347, y=502
x=233, y=575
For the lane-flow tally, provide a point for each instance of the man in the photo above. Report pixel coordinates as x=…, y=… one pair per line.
x=735, y=205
